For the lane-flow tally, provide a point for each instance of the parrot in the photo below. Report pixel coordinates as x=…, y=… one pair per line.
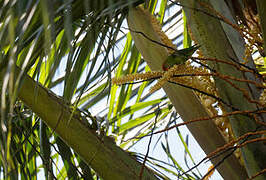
x=179, y=57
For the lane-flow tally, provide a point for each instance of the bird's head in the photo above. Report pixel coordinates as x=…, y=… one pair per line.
x=165, y=66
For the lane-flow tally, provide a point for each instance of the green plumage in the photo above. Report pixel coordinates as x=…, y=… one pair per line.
x=179, y=57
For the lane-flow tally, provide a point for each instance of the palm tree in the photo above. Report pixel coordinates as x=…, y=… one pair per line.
x=40, y=38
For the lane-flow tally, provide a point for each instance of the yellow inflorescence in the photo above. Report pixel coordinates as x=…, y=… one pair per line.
x=158, y=29
x=167, y=76
x=263, y=97
x=158, y=85
x=135, y=77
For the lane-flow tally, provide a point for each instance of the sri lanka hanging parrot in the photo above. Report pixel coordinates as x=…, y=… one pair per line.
x=179, y=57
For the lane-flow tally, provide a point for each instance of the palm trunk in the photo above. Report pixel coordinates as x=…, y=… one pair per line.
x=99, y=152
x=221, y=41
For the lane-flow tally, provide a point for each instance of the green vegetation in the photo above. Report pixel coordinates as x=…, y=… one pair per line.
x=76, y=49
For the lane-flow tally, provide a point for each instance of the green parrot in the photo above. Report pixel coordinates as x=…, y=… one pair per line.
x=179, y=57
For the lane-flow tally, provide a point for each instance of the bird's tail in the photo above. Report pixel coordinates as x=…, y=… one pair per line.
x=189, y=51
